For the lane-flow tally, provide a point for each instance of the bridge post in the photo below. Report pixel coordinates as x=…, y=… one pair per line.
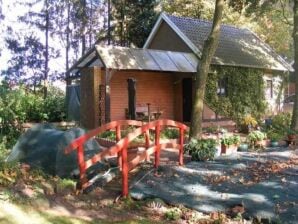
x=147, y=139
x=181, y=142
x=118, y=137
x=157, y=144
x=82, y=166
x=124, y=172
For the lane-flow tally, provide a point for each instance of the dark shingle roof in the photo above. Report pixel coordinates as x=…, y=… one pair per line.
x=238, y=47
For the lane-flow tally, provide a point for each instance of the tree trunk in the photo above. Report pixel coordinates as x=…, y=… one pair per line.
x=109, y=22
x=67, y=38
x=45, y=90
x=294, y=123
x=201, y=75
x=84, y=25
x=91, y=24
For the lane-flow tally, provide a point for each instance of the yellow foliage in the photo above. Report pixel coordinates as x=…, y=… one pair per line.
x=249, y=120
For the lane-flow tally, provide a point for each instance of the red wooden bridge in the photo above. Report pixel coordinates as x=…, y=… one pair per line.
x=121, y=147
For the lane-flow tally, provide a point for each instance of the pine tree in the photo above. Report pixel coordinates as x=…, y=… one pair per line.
x=42, y=21
x=133, y=21
x=27, y=63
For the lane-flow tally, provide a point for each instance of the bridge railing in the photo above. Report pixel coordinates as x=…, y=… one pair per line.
x=121, y=147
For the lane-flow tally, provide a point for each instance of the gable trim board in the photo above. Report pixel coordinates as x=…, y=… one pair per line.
x=272, y=60
x=163, y=17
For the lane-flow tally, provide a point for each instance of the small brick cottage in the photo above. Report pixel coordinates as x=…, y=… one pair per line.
x=162, y=71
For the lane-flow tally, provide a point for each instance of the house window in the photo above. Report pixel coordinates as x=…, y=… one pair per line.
x=269, y=88
x=222, y=87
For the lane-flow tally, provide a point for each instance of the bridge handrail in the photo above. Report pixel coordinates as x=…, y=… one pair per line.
x=122, y=144
x=112, y=125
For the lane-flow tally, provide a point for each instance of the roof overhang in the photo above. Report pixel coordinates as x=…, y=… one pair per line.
x=90, y=59
x=124, y=58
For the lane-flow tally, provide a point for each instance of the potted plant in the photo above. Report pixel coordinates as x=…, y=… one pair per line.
x=243, y=147
x=291, y=135
x=201, y=149
x=229, y=144
x=256, y=139
x=274, y=138
x=248, y=123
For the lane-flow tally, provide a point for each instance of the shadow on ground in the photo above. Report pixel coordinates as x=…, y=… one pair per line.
x=240, y=179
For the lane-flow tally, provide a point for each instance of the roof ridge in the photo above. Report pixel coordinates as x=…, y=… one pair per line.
x=206, y=21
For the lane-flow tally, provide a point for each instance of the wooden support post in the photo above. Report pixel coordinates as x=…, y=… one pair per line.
x=157, y=152
x=107, y=96
x=131, y=98
x=181, y=142
x=149, y=112
x=118, y=137
x=124, y=172
x=82, y=166
x=147, y=139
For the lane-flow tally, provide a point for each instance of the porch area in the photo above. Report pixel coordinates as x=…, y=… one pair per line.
x=119, y=83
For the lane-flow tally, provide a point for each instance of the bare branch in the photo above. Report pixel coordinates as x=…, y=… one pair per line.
x=286, y=20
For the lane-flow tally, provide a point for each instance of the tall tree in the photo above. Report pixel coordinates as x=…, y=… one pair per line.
x=209, y=49
x=132, y=21
x=42, y=20
x=27, y=62
x=1, y=17
x=294, y=124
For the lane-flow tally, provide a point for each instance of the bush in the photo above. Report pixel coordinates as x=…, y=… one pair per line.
x=201, y=149
x=231, y=140
x=170, y=133
x=22, y=105
x=250, y=121
x=274, y=136
x=211, y=129
x=280, y=123
x=111, y=135
x=54, y=105
x=292, y=132
x=255, y=136
x=173, y=214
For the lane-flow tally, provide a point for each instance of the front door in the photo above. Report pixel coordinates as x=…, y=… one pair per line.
x=187, y=98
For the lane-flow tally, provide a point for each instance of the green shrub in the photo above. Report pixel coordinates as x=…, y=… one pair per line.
x=201, y=149
x=111, y=135
x=173, y=214
x=281, y=122
x=211, y=129
x=292, y=132
x=236, y=139
x=65, y=185
x=231, y=140
x=22, y=105
x=3, y=148
x=255, y=136
x=274, y=136
x=54, y=105
x=227, y=140
x=170, y=133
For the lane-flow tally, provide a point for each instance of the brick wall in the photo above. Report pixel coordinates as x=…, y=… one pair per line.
x=162, y=90
x=151, y=87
